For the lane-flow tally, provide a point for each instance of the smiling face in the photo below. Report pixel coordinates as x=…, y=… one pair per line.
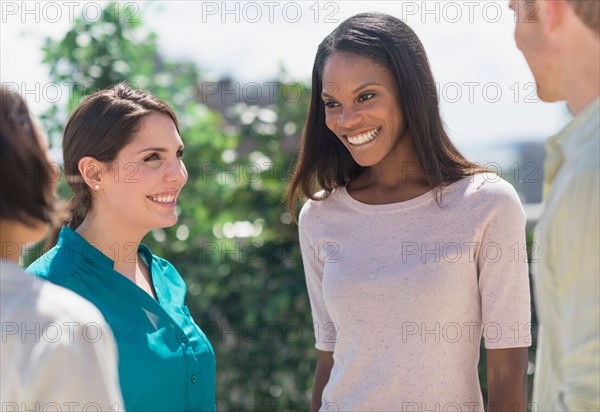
x=362, y=108
x=141, y=188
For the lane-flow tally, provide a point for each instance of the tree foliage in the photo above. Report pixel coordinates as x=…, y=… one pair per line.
x=234, y=243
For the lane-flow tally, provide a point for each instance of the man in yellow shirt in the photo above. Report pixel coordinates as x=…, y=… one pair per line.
x=560, y=40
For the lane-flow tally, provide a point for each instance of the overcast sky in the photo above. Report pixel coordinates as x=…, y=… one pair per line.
x=487, y=92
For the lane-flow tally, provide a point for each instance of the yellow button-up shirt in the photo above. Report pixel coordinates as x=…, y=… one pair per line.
x=567, y=270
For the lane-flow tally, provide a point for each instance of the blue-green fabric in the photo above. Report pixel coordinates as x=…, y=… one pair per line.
x=166, y=363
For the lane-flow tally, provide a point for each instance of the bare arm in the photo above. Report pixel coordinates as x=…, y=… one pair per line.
x=507, y=379
x=322, y=372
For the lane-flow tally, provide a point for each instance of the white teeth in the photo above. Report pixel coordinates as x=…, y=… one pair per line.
x=162, y=199
x=363, y=138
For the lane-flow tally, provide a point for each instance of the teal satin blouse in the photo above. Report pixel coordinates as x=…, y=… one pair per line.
x=166, y=363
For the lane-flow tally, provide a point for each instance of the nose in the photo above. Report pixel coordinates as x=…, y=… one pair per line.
x=176, y=172
x=349, y=118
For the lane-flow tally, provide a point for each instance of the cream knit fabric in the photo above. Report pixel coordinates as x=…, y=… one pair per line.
x=402, y=293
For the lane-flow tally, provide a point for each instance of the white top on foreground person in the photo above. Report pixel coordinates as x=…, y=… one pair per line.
x=56, y=349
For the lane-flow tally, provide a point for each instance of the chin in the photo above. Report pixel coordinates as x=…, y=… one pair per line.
x=550, y=98
x=544, y=95
x=547, y=93
x=170, y=222
x=366, y=162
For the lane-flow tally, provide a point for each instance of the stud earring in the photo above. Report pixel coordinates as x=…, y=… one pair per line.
x=96, y=186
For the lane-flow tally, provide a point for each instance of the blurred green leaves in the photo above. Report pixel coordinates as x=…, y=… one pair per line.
x=234, y=243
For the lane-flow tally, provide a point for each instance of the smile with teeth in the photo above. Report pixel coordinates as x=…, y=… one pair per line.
x=163, y=198
x=364, y=137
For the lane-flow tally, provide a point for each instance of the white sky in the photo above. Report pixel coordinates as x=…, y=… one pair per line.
x=469, y=43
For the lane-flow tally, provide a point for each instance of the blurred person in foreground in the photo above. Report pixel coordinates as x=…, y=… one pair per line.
x=406, y=239
x=56, y=349
x=560, y=40
x=123, y=159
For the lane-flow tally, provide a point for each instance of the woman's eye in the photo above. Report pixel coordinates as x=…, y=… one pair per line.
x=366, y=96
x=153, y=156
x=330, y=104
x=180, y=153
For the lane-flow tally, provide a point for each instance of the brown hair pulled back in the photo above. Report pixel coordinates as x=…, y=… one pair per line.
x=100, y=127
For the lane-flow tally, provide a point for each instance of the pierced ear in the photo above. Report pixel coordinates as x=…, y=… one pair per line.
x=91, y=171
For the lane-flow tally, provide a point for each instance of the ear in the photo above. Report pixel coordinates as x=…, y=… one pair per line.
x=91, y=171
x=555, y=12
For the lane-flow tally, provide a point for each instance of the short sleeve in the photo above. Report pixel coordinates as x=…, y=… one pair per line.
x=503, y=269
x=324, y=327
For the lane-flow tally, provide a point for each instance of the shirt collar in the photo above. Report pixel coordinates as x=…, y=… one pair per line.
x=69, y=238
x=565, y=144
x=570, y=138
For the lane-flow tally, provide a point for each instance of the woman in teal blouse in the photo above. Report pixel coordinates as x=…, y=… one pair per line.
x=122, y=157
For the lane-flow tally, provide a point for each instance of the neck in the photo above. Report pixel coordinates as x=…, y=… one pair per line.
x=581, y=94
x=118, y=243
x=396, y=178
x=582, y=80
x=399, y=169
x=10, y=246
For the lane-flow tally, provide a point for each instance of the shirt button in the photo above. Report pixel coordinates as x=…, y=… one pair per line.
x=183, y=338
x=193, y=379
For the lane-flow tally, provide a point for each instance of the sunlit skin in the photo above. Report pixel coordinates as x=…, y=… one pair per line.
x=150, y=167
x=561, y=51
x=531, y=40
x=361, y=96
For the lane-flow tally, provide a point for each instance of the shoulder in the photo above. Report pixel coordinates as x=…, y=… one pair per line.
x=313, y=212
x=309, y=208
x=313, y=209
x=484, y=195
x=57, y=302
x=55, y=265
x=490, y=190
x=40, y=300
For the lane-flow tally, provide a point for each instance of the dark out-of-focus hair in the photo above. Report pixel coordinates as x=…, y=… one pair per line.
x=589, y=12
x=324, y=162
x=26, y=186
x=102, y=125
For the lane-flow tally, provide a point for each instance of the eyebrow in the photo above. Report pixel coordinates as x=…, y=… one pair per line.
x=158, y=149
x=362, y=86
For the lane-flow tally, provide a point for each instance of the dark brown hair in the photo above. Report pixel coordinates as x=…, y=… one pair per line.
x=589, y=12
x=324, y=162
x=26, y=187
x=102, y=125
